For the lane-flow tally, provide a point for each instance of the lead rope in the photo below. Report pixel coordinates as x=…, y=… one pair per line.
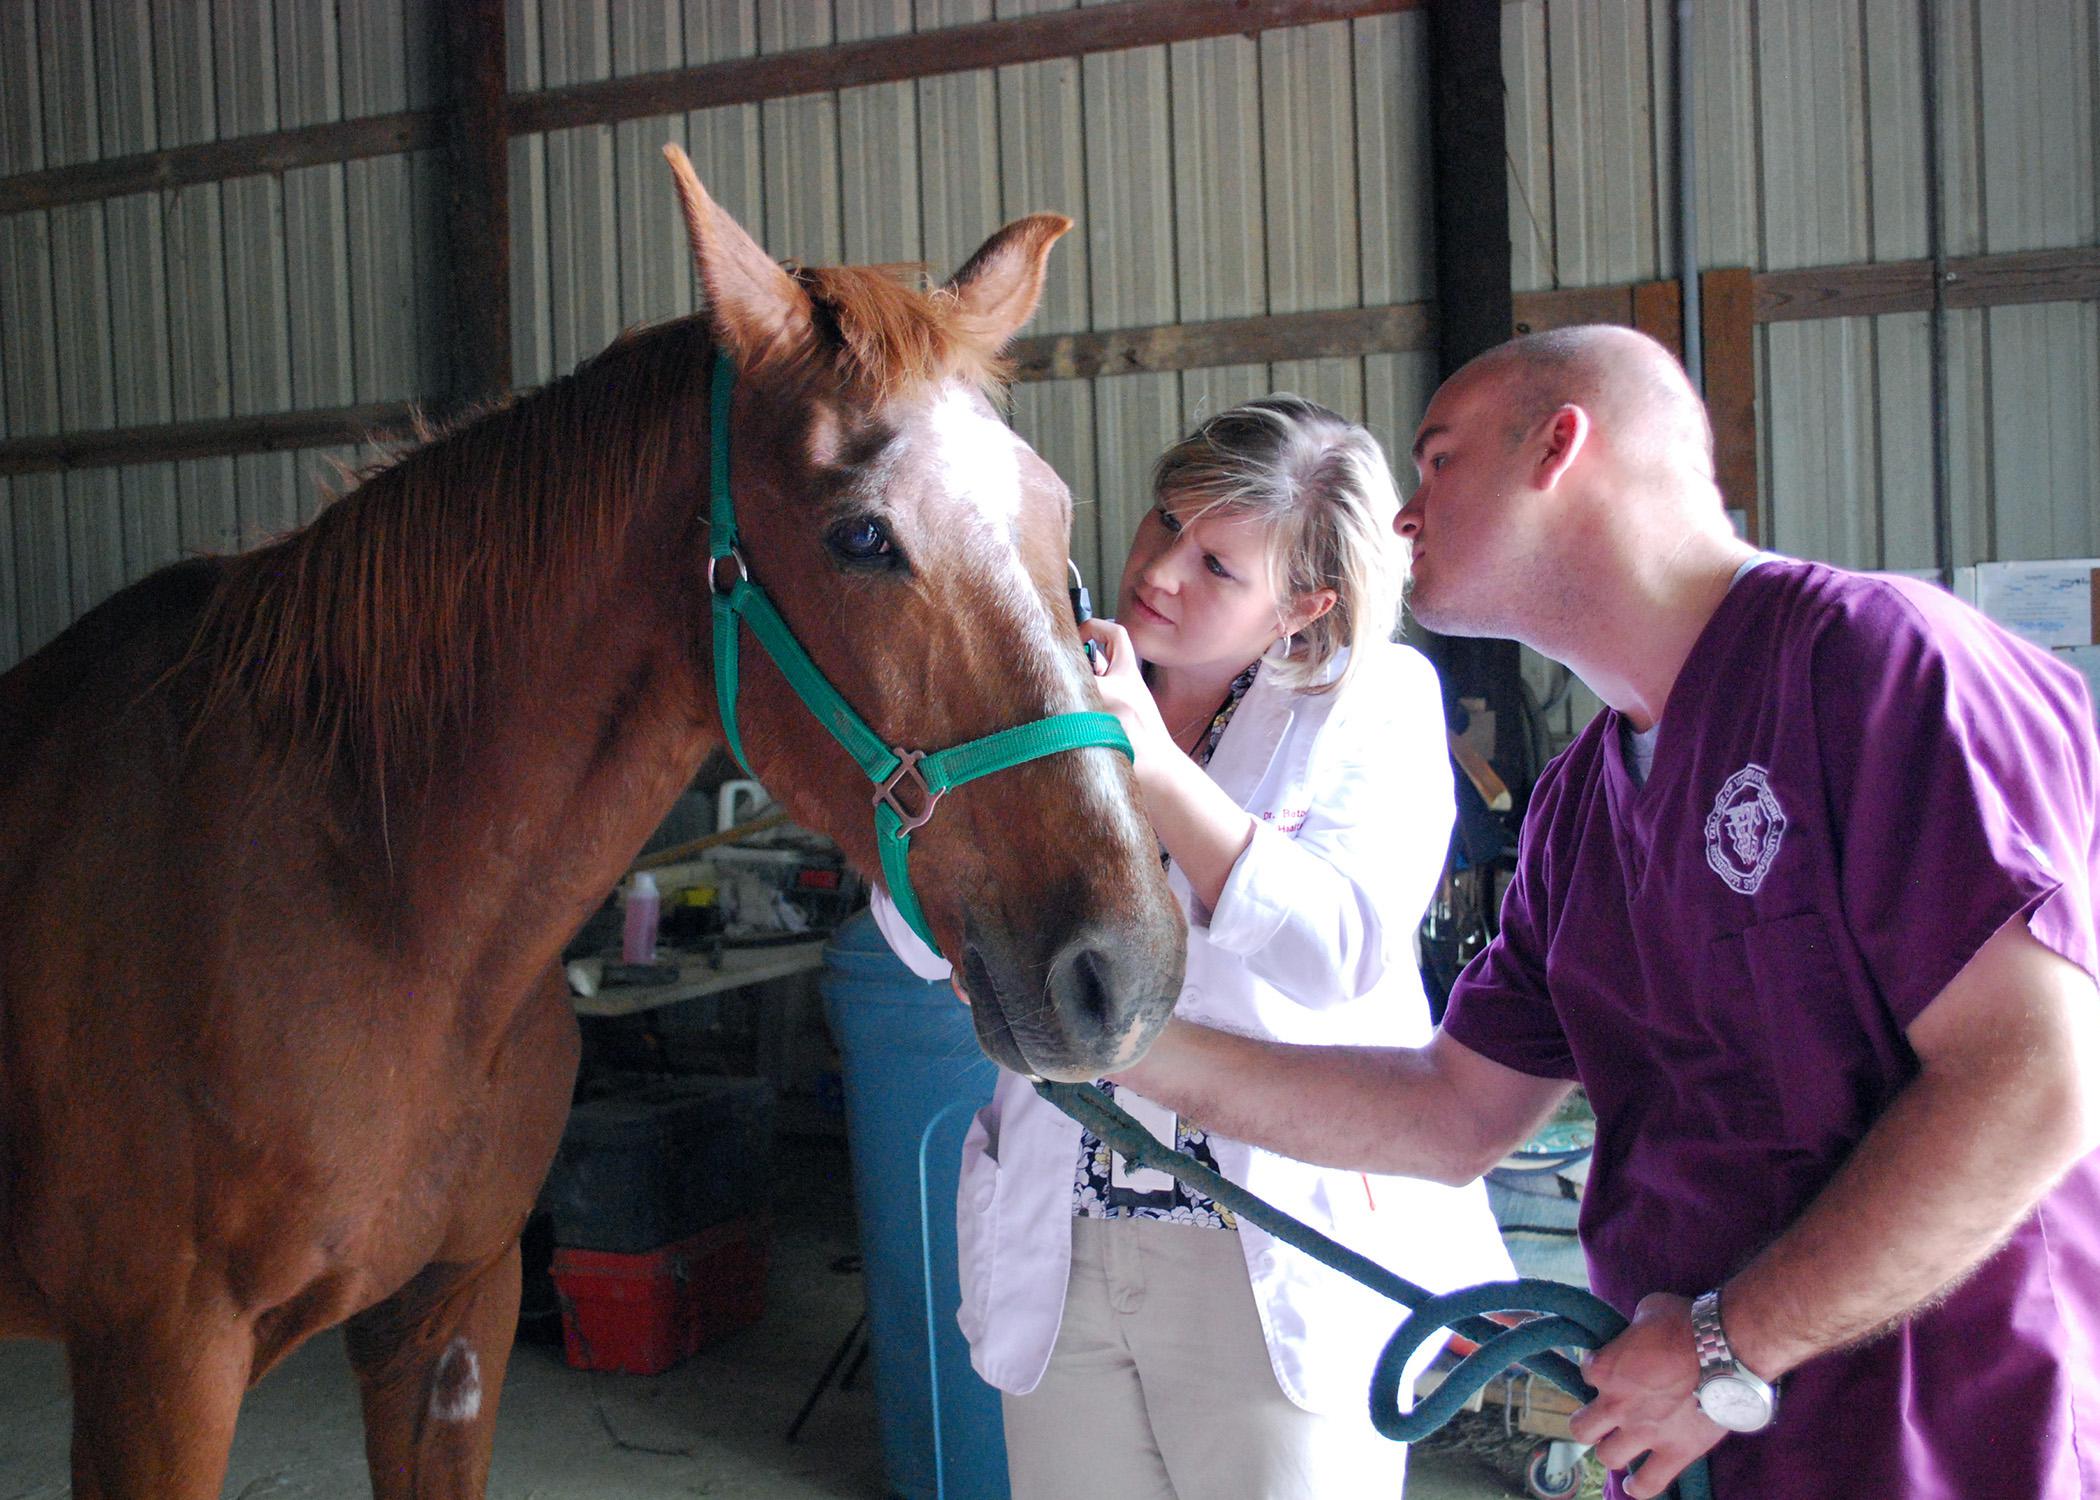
x=1570, y=1318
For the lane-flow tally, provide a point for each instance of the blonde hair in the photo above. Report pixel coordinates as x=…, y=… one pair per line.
x=1324, y=492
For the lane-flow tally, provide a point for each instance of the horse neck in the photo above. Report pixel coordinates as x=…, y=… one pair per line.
x=572, y=758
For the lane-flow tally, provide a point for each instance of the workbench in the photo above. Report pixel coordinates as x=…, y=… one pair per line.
x=699, y=975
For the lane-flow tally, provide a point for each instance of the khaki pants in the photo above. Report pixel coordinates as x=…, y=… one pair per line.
x=1160, y=1387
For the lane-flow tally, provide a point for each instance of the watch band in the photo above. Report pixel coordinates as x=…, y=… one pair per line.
x=1708, y=1337
x=1730, y=1393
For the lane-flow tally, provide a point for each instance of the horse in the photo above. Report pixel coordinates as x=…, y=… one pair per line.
x=291, y=841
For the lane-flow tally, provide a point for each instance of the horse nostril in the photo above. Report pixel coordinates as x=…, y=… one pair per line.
x=1082, y=986
x=977, y=975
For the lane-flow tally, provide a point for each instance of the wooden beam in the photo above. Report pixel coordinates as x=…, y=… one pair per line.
x=1336, y=334
x=1727, y=326
x=273, y=432
x=215, y=161
x=2024, y=277
x=1658, y=311
x=1736, y=300
x=925, y=54
x=1843, y=291
x=477, y=139
x=2020, y=278
x=1564, y=307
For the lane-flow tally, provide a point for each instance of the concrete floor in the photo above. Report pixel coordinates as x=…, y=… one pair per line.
x=713, y=1427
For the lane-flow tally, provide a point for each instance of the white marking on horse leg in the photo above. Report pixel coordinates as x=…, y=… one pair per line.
x=455, y=1386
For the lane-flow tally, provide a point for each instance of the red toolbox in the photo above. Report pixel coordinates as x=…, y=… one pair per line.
x=640, y=1314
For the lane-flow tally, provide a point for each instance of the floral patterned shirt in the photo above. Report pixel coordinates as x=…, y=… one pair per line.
x=1095, y=1192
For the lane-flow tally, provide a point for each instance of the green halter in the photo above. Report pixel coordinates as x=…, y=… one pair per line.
x=925, y=776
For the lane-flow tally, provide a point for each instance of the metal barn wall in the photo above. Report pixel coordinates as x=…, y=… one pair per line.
x=257, y=295
x=1208, y=180
x=1811, y=151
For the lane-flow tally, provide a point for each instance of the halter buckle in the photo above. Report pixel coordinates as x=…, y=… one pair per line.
x=714, y=572
x=886, y=794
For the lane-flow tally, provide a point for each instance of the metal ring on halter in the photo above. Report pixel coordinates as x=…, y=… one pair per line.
x=886, y=793
x=714, y=572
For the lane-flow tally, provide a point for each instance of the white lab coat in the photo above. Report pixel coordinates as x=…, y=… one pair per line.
x=1312, y=941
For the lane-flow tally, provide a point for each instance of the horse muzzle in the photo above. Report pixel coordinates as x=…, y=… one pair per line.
x=1071, y=1011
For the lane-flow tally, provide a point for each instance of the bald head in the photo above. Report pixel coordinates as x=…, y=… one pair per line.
x=1634, y=390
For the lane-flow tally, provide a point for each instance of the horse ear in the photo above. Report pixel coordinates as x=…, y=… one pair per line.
x=1000, y=285
x=753, y=305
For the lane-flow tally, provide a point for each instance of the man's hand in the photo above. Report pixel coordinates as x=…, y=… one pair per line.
x=1646, y=1381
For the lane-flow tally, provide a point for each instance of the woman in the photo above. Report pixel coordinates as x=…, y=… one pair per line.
x=1292, y=761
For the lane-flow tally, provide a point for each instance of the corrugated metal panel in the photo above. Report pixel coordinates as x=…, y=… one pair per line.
x=1043, y=169
x=259, y=339
x=1606, y=215
x=1528, y=131
x=1310, y=194
x=1811, y=153
x=1218, y=171
x=137, y=279
x=2035, y=80
x=879, y=150
x=583, y=253
x=656, y=270
x=40, y=592
x=724, y=142
x=1392, y=155
x=799, y=146
x=957, y=152
x=531, y=323
x=1131, y=248
x=385, y=289
x=1724, y=50
x=80, y=301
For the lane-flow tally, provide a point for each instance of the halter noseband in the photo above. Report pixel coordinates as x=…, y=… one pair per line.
x=909, y=784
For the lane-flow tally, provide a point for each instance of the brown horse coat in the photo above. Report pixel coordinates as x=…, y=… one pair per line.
x=290, y=843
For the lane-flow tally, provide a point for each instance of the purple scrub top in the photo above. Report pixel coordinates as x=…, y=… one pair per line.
x=1857, y=782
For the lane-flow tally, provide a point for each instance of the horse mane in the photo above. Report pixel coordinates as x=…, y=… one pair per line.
x=363, y=640
x=364, y=637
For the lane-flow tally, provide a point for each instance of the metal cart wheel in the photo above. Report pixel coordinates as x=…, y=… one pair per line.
x=1555, y=1471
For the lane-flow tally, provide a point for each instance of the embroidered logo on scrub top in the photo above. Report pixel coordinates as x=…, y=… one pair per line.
x=1744, y=829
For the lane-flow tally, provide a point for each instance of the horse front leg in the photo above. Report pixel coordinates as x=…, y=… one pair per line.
x=430, y=1363
x=154, y=1409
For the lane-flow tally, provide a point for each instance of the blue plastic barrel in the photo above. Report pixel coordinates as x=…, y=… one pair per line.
x=913, y=1078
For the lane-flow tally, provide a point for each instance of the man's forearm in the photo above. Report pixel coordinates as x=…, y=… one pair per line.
x=1368, y=1109
x=2005, y=1102
x=1937, y=1185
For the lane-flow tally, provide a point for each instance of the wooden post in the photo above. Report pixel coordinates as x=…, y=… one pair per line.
x=1727, y=306
x=477, y=142
x=1469, y=178
x=1470, y=199
x=1658, y=311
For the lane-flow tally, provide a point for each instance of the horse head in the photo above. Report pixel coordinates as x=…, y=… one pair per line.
x=916, y=548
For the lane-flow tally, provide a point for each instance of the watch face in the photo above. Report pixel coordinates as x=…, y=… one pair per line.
x=1735, y=1404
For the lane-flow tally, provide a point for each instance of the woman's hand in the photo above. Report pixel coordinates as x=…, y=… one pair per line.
x=1124, y=692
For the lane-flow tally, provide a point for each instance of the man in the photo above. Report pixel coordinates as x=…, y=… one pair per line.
x=1809, y=912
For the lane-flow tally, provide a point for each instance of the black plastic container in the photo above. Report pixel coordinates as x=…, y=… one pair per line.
x=660, y=1162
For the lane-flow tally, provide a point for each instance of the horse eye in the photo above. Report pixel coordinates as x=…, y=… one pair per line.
x=860, y=540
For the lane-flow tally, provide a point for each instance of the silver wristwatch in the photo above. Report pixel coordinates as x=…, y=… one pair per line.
x=1729, y=1394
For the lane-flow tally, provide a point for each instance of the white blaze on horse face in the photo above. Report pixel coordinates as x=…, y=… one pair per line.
x=978, y=456
x=455, y=1386
x=979, y=460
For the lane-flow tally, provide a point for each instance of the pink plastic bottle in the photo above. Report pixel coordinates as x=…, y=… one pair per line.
x=644, y=909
